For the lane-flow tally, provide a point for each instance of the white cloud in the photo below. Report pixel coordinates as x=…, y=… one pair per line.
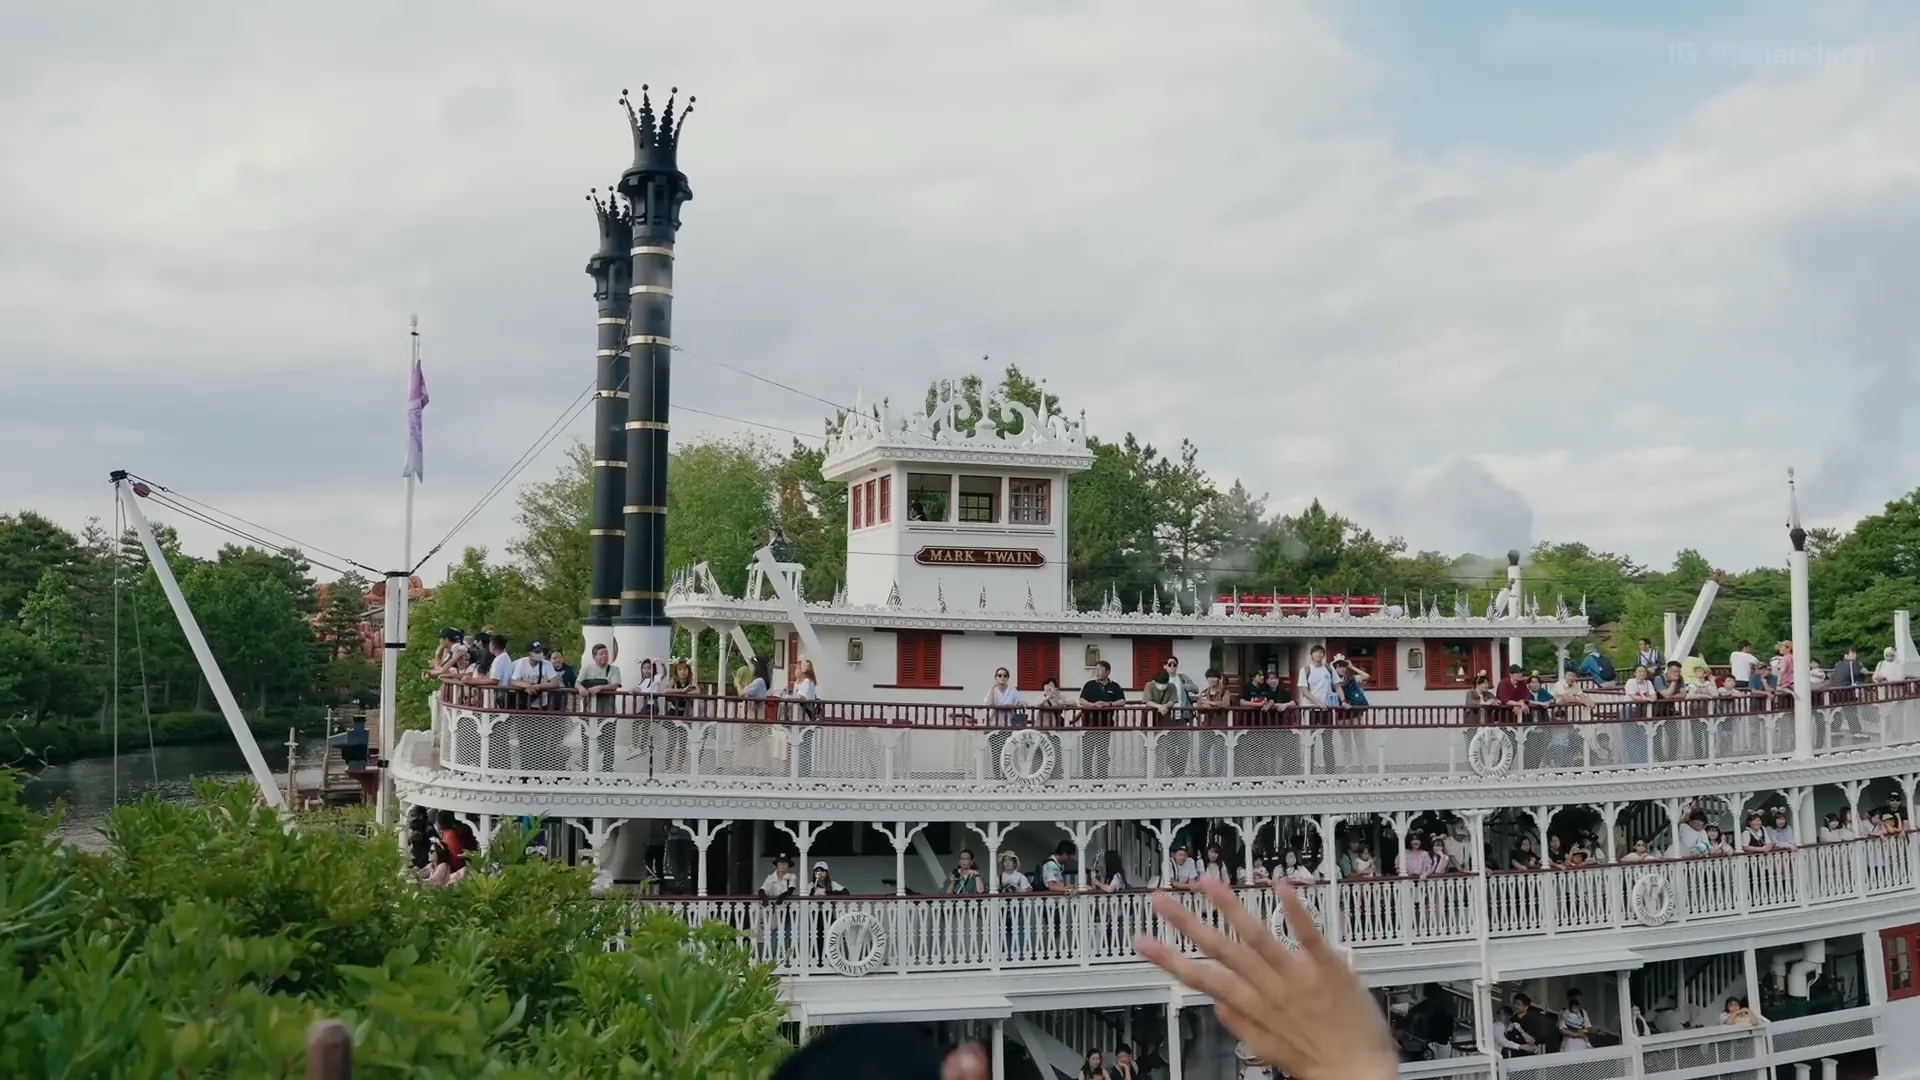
x=1196, y=229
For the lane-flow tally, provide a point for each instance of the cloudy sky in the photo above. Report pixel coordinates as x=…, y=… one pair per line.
x=1480, y=274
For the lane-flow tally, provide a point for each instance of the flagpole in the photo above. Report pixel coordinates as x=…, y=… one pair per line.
x=399, y=588
x=1802, y=628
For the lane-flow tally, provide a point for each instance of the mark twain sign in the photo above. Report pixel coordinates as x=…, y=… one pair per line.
x=946, y=556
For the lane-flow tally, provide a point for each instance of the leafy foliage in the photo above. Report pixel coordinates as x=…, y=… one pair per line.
x=208, y=936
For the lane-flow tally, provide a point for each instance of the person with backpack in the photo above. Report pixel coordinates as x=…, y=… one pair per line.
x=1597, y=667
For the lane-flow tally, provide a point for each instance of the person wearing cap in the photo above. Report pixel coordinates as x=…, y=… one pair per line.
x=823, y=883
x=1186, y=872
x=532, y=674
x=781, y=883
x=444, y=654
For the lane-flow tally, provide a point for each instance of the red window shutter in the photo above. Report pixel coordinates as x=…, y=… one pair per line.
x=1483, y=661
x=869, y=485
x=1039, y=660
x=1436, y=660
x=1149, y=654
x=856, y=506
x=1386, y=664
x=917, y=659
x=886, y=499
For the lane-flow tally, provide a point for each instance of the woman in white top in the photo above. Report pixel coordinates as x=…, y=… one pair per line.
x=1293, y=871
x=1003, y=701
x=649, y=687
x=1215, y=866
x=1638, y=854
x=806, y=690
x=1363, y=862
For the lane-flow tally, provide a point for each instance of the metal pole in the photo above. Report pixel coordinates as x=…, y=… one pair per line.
x=222, y=694
x=394, y=638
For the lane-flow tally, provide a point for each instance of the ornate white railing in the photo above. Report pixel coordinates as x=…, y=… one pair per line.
x=721, y=741
x=857, y=936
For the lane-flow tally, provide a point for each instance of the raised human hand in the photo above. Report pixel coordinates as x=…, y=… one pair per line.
x=1302, y=1010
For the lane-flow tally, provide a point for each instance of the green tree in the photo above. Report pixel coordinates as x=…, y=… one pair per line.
x=554, y=550
x=30, y=545
x=813, y=515
x=1112, y=541
x=55, y=681
x=257, y=634
x=1189, y=529
x=1640, y=617
x=342, y=616
x=720, y=507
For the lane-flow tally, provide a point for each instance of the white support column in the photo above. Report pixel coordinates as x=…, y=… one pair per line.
x=1875, y=962
x=1516, y=610
x=1669, y=635
x=702, y=832
x=1752, y=962
x=1173, y=1036
x=1559, y=659
x=1673, y=828
x=901, y=837
x=1163, y=832
x=1483, y=1009
x=803, y=838
x=1904, y=651
x=1628, y=1036
x=1802, y=629
x=1610, y=814
x=1081, y=833
x=993, y=832
x=999, y=1050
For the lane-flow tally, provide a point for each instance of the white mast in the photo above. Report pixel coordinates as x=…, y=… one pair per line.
x=399, y=588
x=1802, y=629
x=130, y=495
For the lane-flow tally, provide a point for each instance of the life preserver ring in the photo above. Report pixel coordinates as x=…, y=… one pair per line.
x=1651, y=899
x=856, y=944
x=1027, y=758
x=1491, y=752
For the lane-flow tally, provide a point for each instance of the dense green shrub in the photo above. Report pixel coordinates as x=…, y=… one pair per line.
x=208, y=936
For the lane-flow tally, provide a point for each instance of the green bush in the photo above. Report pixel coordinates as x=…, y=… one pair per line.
x=208, y=936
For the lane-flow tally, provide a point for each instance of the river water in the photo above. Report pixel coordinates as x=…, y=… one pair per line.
x=89, y=787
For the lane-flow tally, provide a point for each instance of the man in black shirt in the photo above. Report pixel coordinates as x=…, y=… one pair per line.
x=1098, y=700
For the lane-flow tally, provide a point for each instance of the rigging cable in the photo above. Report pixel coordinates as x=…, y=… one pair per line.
x=302, y=545
x=264, y=544
x=546, y=439
x=761, y=378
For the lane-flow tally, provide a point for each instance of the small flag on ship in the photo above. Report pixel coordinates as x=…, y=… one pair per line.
x=416, y=406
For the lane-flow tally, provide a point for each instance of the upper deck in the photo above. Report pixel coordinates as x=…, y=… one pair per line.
x=770, y=758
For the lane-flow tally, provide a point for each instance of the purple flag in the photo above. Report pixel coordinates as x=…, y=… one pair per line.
x=416, y=405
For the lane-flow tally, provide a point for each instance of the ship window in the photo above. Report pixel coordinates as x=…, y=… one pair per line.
x=886, y=499
x=1451, y=665
x=927, y=495
x=980, y=499
x=917, y=659
x=1027, y=501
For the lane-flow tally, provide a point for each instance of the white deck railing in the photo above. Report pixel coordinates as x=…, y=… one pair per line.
x=856, y=936
x=909, y=747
